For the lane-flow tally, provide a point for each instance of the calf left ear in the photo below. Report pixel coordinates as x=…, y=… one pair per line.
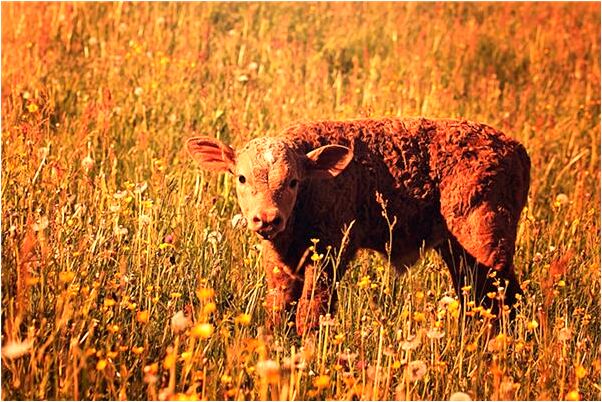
x=212, y=154
x=328, y=161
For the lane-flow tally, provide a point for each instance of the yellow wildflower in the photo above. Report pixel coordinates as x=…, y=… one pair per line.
x=364, y=282
x=580, y=372
x=209, y=308
x=66, y=276
x=151, y=369
x=419, y=317
x=338, y=338
x=32, y=281
x=108, y=302
x=142, y=316
x=203, y=331
x=169, y=361
x=205, y=293
x=573, y=396
x=243, y=319
x=532, y=325
x=471, y=347
x=322, y=381
x=487, y=313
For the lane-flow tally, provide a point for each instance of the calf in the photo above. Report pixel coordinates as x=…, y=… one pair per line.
x=454, y=186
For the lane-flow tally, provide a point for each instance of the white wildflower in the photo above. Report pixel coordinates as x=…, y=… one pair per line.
x=179, y=322
x=445, y=301
x=87, y=163
x=416, y=370
x=434, y=333
x=16, y=349
x=40, y=224
x=238, y=221
x=412, y=342
x=144, y=220
x=562, y=199
x=120, y=231
x=564, y=334
x=268, y=369
x=120, y=194
x=460, y=396
x=214, y=238
x=140, y=188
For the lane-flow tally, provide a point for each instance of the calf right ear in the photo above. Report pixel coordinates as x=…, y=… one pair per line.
x=328, y=161
x=212, y=154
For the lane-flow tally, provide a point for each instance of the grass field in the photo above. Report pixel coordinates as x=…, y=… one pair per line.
x=123, y=276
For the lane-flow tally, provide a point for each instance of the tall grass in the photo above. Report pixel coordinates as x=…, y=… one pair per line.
x=124, y=277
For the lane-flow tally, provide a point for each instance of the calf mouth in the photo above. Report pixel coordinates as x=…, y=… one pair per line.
x=268, y=234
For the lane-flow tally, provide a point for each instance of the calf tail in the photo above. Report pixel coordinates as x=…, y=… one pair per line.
x=522, y=176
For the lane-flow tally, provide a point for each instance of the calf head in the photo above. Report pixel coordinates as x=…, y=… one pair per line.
x=268, y=172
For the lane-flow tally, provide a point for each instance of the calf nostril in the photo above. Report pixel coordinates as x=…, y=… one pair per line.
x=277, y=221
x=257, y=219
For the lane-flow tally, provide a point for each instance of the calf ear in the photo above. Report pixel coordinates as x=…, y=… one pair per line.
x=212, y=154
x=328, y=161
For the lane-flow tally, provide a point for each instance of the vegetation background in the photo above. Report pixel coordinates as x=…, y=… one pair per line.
x=125, y=276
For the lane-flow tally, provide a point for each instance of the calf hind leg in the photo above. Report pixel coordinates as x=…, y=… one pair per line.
x=481, y=245
x=466, y=270
x=481, y=210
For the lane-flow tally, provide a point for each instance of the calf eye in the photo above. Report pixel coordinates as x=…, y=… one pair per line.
x=293, y=183
x=242, y=179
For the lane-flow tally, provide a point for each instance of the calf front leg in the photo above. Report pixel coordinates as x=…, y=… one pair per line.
x=283, y=289
x=318, y=297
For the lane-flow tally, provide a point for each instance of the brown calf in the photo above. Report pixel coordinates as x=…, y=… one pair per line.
x=454, y=186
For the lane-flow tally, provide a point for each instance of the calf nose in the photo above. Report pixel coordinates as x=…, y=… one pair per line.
x=266, y=220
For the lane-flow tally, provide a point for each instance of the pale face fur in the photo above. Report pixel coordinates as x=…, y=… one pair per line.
x=268, y=172
x=267, y=178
